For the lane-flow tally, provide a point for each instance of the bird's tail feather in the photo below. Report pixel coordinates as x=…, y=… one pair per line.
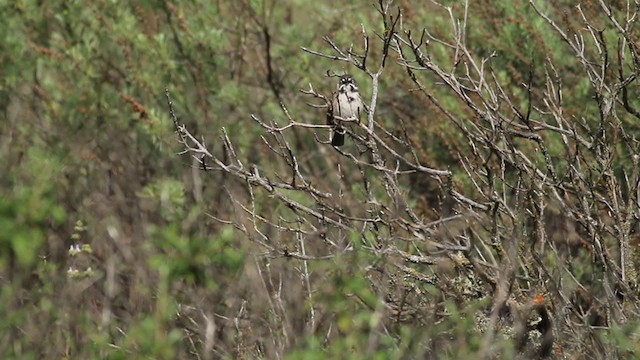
x=338, y=136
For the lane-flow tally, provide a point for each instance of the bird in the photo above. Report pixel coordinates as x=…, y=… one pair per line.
x=347, y=105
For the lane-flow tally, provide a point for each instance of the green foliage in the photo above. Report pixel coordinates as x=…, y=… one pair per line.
x=85, y=133
x=30, y=207
x=147, y=338
x=194, y=260
x=624, y=337
x=168, y=195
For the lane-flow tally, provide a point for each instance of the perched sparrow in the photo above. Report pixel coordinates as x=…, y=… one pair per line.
x=347, y=105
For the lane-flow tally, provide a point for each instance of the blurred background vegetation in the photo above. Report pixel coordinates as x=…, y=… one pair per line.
x=88, y=157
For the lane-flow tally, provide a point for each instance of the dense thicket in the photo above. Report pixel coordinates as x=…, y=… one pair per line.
x=169, y=190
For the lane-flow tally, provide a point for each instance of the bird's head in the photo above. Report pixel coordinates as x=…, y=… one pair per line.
x=345, y=81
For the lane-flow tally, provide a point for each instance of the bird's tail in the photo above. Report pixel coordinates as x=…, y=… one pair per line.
x=338, y=136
